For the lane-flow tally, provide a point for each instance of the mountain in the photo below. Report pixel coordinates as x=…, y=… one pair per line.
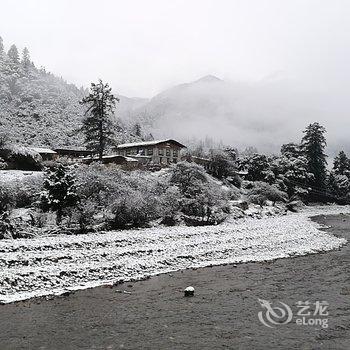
x=263, y=114
x=38, y=108
x=238, y=114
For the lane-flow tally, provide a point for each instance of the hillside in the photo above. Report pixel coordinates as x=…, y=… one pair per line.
x=37, y=108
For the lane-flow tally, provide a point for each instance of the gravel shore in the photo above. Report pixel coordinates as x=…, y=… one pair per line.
x=54, y=265
x=223, y=314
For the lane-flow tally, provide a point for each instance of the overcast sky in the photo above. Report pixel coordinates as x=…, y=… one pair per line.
x=144, y=46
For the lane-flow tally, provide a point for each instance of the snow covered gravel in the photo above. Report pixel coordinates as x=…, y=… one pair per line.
x=57, y=264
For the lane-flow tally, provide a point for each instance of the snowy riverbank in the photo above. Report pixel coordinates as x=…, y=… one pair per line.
x=54, y=265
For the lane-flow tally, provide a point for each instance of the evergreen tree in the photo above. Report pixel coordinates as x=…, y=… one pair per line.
x=59, y=191
x=97, y=124
x=137, y=130
x=148, y=137
x=13, y=54
x=292, y=169
x=290, y=150
x=341, y=165
x=338, y=187
x=313, y=146
x=231, y=152
x=257, y=167
x=25, y=59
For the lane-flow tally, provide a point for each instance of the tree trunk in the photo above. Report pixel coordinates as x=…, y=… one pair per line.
x=100, y=147
x=59, y=215
x=100, y=131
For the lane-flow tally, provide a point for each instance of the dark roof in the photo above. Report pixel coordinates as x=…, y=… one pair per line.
x=109, y=158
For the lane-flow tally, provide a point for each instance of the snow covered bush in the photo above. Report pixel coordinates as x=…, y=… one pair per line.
x=27, y=191
x=83, y=215
x=202, y=199
x=135, y=199
x=7, y=199
x=185, y=174
x=132, y=210
x=125, y=199
x=262, y=192
x=235, y=180
x=98, y=184
x=170, y=205
x=6, y=228
x=221, y=164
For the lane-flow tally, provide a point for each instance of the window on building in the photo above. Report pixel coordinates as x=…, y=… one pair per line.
x=128, y=151
x=150, y=151
x=175, y=153
x=168, y=152
x=175, y=160
x=161, y=151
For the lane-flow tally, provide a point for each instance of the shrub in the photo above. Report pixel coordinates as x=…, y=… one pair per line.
x=134, y=209
x=235, y=180
x=83, y=216
x=20, y=193
x=7, y=199
x=221, y=164
x=128, y=199
x=98, y=184
x=185, y=174
x=262, y=191
x=27, y=191
x=201, y=197
x=6, y=228
x=170, y=205
x=135, y=199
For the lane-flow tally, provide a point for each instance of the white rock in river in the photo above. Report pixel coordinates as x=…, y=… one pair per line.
x=189, y=291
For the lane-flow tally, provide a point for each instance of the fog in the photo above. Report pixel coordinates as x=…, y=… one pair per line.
x=144, y=47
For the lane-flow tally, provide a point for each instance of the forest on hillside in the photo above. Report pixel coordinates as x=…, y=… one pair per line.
x=37, y=108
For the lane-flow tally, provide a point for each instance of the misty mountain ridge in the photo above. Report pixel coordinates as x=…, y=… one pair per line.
x=38, y=108
x=263, y=114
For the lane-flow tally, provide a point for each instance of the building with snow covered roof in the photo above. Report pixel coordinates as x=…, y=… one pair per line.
x=45, y=153
x=160, y=152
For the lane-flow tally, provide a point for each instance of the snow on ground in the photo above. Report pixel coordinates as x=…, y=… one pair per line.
x=57, y=264
x=18, y=175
